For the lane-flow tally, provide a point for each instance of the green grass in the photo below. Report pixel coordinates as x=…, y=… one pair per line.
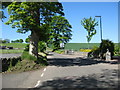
x=25, y=65
x=78, y=46
x=28, y=63
x=59, y=51
x=5, y=51
x=27, y=56
x=14, y=45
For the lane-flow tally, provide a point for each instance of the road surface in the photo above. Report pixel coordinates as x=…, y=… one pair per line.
x=66, y=71
x=9, y=55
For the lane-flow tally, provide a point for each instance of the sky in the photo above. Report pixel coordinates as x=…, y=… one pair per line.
x=74, y=13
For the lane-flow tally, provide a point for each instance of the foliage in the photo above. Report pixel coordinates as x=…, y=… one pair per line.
x=26, y=48
x=9, y=62
x=21, y=40
x=117, y=51
x=27, y=40
x=33, y=16
x=4, y=41
x=101, y=51
x=94, y=52
x=106, y=44
x=89, y=25
x=27, y=56
x=41, y=46
x=17, y=41
x=59, y=51
x=60, y=32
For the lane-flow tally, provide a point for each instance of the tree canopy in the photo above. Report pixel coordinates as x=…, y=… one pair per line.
x=60, y=31
x=89, y=24
x=34, y=17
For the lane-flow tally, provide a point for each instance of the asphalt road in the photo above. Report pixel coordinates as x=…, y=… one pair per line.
x=9, y=55
x=66, y=71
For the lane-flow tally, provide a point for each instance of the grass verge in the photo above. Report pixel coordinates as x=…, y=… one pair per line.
x=28, y=63
x=59, y=51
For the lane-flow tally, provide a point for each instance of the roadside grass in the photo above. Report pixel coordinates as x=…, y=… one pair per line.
x=6, y=51
x=59, y=51
x=25, y=65
x=28, y=63
x=14, y=45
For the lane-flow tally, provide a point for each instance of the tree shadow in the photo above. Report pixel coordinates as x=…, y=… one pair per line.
x=75, y=61
x=106, y=80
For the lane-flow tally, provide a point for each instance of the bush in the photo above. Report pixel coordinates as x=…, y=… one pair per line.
x=102, y=49
x=41, y=46
x=106, y=44
x=27, y=56
x=26, y=48
x=117, y=51
x=94, y=52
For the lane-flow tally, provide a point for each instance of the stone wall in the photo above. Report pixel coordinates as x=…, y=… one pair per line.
x=8, y=62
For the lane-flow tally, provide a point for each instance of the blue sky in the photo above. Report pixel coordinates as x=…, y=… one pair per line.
x=74, y=13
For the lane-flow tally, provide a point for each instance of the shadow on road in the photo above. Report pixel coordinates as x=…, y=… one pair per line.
x=75, y=61
x=107, y=79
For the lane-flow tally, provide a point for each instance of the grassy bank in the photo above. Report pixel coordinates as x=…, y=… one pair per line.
x=27, y=63
x=14, y=45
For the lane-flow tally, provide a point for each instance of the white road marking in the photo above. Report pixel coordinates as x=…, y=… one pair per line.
x=37, y=83
x=42, y=74
x=44, y=69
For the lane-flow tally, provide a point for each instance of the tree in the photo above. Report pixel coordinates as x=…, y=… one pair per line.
x=21, y=40
x=27, y=40
x=3, y=5
x=31, y=16
x=3, y=41
x=89, y=25
x=60, y=31
x=7, y=40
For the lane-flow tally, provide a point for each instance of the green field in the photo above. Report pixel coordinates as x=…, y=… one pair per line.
x=14, y=45
x=21, y=47
x=78, y=46
x=11, y=51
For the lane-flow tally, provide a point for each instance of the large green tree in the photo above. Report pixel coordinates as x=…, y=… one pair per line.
x=33, y=17
x=60, y=31
x=89, y=24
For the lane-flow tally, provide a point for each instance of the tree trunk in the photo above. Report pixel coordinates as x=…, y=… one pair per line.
x=33, y=47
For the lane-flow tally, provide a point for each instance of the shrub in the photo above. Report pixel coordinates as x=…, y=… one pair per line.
x=26, y=48
x=27, y=56
x=106, y=44
x=94, y=52
x=41, y=46
x=102, y=49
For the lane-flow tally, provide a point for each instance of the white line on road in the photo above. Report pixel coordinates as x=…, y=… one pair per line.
x=37, y=83
x=44, y=69
x=42, y=74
